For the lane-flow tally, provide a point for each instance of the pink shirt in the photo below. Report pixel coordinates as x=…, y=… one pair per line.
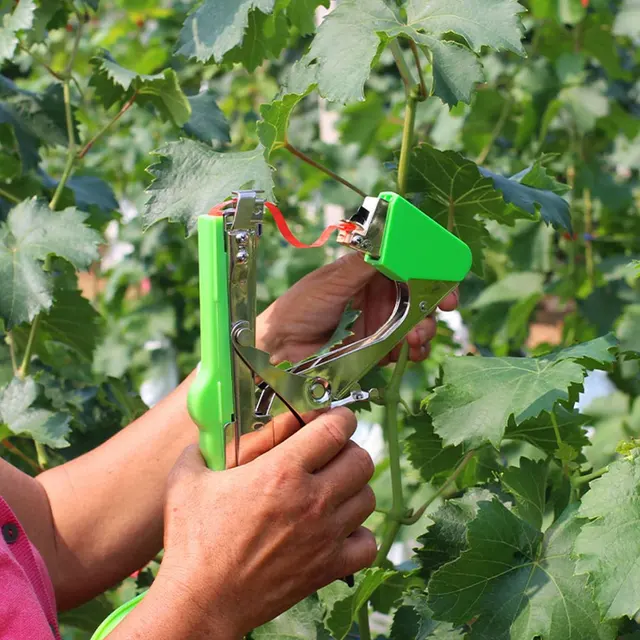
x=27, y=601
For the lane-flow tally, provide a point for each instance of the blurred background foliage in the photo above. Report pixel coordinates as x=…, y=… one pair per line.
x=574, y=99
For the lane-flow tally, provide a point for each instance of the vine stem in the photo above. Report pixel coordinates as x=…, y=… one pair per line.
x=12, y=352
x=23, y=456
x=125, y=107
x=556, y=428
x=310, y=161
x=416, y=56
x=9, y=196
x=43, y=458
x=26, y=359
x=443, y=488
x=403, y=68
x=497, y=130
x=588, y=229
x=363, y=622
x=580, y=480
x=407, y=140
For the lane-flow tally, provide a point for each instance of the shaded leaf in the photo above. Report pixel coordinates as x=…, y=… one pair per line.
x=301, y=622
x=114, y=83
x=177, y=192
x=343, y=603
x=414, y=620
x=343, y=330
x=608, y=546
x=481, y=396
x=527, y=484
x=207, y=122
x=217, y=26
x=31, y=233
x=16, y=412
x=516, y=582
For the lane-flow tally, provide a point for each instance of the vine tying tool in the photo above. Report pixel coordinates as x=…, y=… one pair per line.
x=237, y=391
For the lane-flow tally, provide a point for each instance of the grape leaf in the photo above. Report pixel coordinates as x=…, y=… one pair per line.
x=446, y=538
x=217, y=26
x=516, y=582
x=553, y=209
x=480, y=396
x=272, y=129
x=31, y=233
x=177, y=192
x=426, y=451
x=414, y=620
x=19, y=20
x=43, y=426
x=343, y=603
x=87, y=191
x=629, y=330
x=114, y=83
x=451, y=190
x=350, y=38
x=540, y=433
x=207, y=122
x=608, y=546
x=343, y=330
x=527, y=484
x=301, y=622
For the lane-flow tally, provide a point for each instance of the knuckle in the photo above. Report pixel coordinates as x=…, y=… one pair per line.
x=363, y=459
x=336, y=428
x=369, y=499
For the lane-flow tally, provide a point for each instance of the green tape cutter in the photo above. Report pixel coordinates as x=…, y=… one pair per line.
x=225, y=401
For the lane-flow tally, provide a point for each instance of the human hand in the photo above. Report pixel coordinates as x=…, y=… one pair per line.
x=246, y=544
x=303, y=319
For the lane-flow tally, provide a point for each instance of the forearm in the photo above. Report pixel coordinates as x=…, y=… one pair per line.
x=107, y=505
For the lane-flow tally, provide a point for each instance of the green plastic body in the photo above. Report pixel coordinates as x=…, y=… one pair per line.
x=416, y=247
x=210, y=397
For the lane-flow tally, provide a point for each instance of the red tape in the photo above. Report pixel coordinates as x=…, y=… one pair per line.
x=284, y=229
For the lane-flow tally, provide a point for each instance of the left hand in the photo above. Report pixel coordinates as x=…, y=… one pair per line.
x=302, y=320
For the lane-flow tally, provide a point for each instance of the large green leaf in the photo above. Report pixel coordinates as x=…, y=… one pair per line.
x=301, y=622
x=608, y=547
x=350, y=38
x=178, y=191
x=516, y=582
x=20, y=19
x=217, y=26
x=343, y=602
x=413, y=620
x=514, y=286
x=481, y=396
x=31, y=233
x=114, y=83
x=16, y=412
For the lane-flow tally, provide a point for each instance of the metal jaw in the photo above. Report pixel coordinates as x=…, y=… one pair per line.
x=317, y=382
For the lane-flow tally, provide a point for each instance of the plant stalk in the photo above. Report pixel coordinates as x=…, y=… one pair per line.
x=127, y=105
x=26, y=359
x=363, y=622
x=588, y=229
x=9, y=196
x=424, y=94
x=445, y=485
x=23, y=456
x=12, y=353
x=580, y=480
x=407, y=141
x=43, y=458
x=403, y=68
x=310, y=161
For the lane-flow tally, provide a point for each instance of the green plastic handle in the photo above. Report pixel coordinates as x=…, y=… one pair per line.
x=210, y=397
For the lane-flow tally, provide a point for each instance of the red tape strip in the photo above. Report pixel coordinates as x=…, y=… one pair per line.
x=284, y=229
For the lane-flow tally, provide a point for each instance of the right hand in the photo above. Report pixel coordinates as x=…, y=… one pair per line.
x=246, y=544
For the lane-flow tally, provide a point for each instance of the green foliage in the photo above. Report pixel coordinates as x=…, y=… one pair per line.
x=515, y=125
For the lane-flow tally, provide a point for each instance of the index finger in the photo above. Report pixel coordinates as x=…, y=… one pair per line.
x=320, y=441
